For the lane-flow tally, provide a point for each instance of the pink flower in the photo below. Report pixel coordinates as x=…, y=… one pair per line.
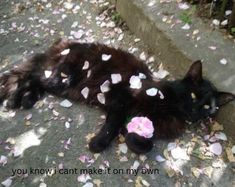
x=141, y=126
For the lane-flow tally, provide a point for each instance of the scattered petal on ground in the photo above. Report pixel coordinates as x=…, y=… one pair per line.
x=216, y=148
x=179, y=153
x=123, y=148
x=159, y=158
x=66, y=103
x=3, y=160
x=7, y=182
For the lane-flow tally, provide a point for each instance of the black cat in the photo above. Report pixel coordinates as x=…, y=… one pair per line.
x=117, y=82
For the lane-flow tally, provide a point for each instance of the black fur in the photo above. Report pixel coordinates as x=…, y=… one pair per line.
x=191, y=98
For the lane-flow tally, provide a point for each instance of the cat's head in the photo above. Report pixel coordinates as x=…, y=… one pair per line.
x=200, y=97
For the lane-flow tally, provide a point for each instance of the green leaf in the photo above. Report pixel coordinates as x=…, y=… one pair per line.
x=185, y=18
x=233, y=30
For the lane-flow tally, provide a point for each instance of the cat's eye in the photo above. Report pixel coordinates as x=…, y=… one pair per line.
x=206, y=106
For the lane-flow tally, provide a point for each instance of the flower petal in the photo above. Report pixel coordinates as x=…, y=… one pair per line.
x=65, y=52
x=116, y=78
x=106, y=57
x=3, y=160
x=83, y=178
x=216, y=148
x=86, y=65
x=135, y=82
x=47, y=73
x=105, y=86
x=179, y=153
x=123, y=148
x=152, y=92
x=7, y=182
x=221, y=136
x=66, y=103
x=159, y=158
x=101, y=98
x=85, y=92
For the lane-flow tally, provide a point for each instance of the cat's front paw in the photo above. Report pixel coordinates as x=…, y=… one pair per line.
x=98, y=144
x=138, y=144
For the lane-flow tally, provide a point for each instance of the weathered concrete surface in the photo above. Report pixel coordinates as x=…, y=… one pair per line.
x=158, y=24
x=42, y=140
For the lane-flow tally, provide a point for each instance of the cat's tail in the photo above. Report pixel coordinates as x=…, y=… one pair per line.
x=138, y=144
x=21, y=85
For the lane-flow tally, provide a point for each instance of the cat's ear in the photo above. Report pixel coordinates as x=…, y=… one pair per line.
x=224, y=97
x=195, y=72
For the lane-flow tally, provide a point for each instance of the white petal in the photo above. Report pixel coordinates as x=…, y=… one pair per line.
x=212, y=47
x=101, y=98
x=216, y=148
x=78, y=34
x=228, y=12
x=216, y=22
x=68, y=5
x=161, y=94
x=221, y=136
x=85, y=92
x=223, y=61
x=135, y=82
x=145, y=183
x=3, y=160
x=142, y=76
x=65, y=52
x=183, y=6
x=67, y=125
x=42, y=184
x=135, y=165
x=89, y=184
x=7, y=182
x=179, y=153
x=225, y=22
x=83, y=178
x=161, y=74
x=171, y=146
x=88, y=74
x=47, y=73
x=152, y=92
x=105, y=86
x=86, y=65
x=159, y=158
x=186, y=27
x=233, y=149
x=66, y=103
x=106, y=57
x=123, y=148
x=143, y=56
x=116, y=78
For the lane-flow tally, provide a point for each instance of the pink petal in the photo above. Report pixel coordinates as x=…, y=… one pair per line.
x=7, y=182
x=3, y=160
x=216, y=148
x=159, y=158
x=116, y=78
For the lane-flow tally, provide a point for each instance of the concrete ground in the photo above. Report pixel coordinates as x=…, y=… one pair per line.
x=52, y=138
